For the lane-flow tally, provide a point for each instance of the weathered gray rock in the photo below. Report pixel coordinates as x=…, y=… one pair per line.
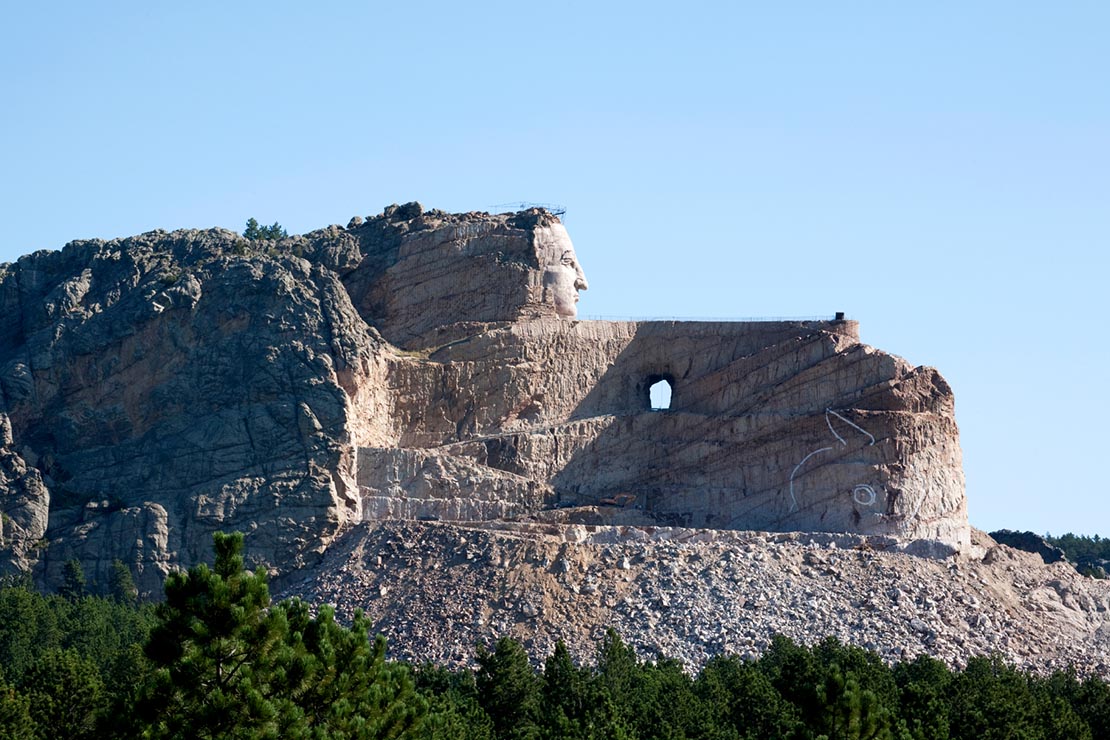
x=424, y=365
x=168, y=368
x=24, y=507
x=102, y=532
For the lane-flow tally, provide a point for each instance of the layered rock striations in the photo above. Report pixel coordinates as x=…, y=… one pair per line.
x=772, y=426
x=424, y=365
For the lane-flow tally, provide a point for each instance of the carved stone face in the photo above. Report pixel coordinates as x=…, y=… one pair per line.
x=562, y=275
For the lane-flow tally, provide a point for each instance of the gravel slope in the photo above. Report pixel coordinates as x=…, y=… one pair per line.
x=436, y=590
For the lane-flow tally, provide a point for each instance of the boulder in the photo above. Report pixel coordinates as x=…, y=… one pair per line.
x=1029, y=542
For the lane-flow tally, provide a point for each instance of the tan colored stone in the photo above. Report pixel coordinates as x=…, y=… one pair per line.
x=421, y=364
x=772, y=426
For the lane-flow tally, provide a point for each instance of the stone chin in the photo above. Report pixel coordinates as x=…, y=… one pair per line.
x=562, y=275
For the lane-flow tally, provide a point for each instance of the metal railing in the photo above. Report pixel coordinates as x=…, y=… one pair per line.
x=730, y=319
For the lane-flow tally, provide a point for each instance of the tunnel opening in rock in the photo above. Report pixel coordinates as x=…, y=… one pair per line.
x=660, y=389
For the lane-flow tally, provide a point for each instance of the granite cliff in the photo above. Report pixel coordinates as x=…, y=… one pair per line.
x=425, y=365
x=405, y=415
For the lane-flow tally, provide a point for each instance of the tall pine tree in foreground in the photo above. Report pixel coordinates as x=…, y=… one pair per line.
x=231, y=665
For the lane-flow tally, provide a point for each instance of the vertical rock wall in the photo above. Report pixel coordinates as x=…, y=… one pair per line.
x=772, y=426
x=422, y=365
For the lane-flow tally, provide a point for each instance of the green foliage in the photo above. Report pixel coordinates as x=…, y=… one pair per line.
x=858, y=692
x=340, y=681
x=218, y=659
x=566, y=699
x=509, y=690
x=227, y=664
x=254, y=232
x=851, y=712
x=1091, y=701
x=1078, y=546
x=840, y=691
x=98, y=629
x=991, y=700
x=65, y=691
x=214, y=631
x=121, y=585
x=73, y=584
x=793, y=672
x=739, y=700
x=29, y=624
x=454, y=711
x=923, y=688
x=616, y=681
x=1089, y=554
x=669, y=702
x=15, y=715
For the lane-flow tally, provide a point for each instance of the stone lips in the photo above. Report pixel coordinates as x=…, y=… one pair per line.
x=424, y=365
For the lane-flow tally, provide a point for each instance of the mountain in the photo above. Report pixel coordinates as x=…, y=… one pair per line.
x=428, y=371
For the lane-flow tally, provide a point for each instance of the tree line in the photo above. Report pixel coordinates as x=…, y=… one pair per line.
x=218, y=659
x=1090, y=555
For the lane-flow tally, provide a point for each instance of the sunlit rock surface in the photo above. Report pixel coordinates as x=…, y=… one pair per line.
x=425, y=365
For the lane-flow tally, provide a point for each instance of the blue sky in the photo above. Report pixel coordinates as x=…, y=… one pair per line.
x=941, y=173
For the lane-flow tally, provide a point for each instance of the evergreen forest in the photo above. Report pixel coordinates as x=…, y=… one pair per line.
x=1090, y=555
x=217, y=659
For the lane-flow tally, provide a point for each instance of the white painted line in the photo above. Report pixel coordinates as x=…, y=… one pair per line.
x=793, y=500
x=854, y=426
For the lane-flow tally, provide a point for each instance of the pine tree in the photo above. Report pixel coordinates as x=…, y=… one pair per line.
x=65, y=695
x=229, y=664
x=851, y=712
x=617, y=665
x=922, y=685
x=340, y=680
x=454, y=711
x=121, y=585
x=991, y=700
x=565, y=699
x=15, y=714
x=254, y=232
x=737, y=696
x=73, y=584
x=509, y=690
x=213, y=644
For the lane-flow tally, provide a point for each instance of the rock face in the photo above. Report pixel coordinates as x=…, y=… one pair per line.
x=424, y=365
x=26, y=505
x=771, y=426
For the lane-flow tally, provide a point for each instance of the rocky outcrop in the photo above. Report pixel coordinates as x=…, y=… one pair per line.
x=24, y=507
x=425, y=365
x=420, y=270
x=1029, y=542
x=164, y=387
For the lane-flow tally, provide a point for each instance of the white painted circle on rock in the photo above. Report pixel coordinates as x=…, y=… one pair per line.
x=864, y=495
